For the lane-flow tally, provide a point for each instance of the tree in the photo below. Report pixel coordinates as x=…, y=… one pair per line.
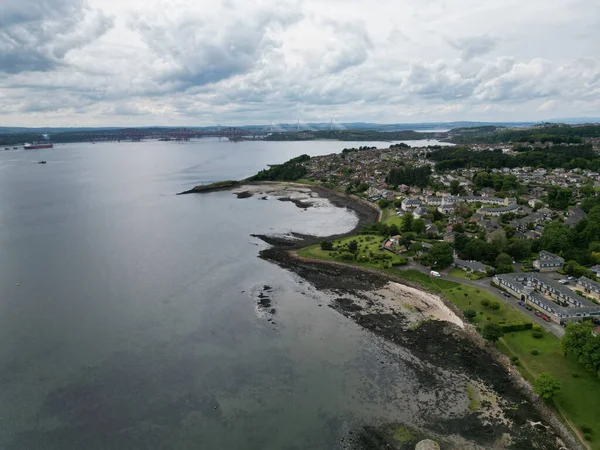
x=492, y=332
x=519, y=249
x=353, y=246
x=485, y=303
x=417, y=247
x=383, y=203
x=555, y=237
x=503, y=260
x=397, y=203
x=470, y=314
x=407, y=220
x=440, y=256
x=559, y=198
x=418, y=226
x=394, y=230
x=455, y=187
x=495, y=306
x=326, y=245
x=546, y=386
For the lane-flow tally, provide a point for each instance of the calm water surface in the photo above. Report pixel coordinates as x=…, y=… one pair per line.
x=128, y=315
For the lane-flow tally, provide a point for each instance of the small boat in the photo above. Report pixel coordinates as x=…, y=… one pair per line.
x=41, y=162
x=6, y=148
x=15, y=148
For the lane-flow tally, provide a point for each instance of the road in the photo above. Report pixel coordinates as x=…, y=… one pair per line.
x=484, y=283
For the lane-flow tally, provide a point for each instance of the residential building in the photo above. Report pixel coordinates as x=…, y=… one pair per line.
x=469, y=266
x=589, y=287
x=548, y=262
x=553, y=299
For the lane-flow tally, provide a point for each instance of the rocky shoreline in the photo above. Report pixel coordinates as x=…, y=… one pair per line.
x=508, y=415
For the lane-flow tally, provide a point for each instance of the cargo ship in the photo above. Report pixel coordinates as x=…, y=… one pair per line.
x=36, y=146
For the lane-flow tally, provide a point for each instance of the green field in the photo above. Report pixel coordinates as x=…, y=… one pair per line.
x=369, y=252
x=579, y=397
x=468, y=297
x=458, y=273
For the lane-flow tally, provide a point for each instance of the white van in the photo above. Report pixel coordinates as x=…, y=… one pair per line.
x=433, y=273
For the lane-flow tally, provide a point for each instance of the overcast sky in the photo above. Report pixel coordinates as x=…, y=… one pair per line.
x=228, y=62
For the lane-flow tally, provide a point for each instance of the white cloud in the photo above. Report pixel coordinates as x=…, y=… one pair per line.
x=195, y=62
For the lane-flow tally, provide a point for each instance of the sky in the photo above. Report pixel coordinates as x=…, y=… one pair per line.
x=232, y=62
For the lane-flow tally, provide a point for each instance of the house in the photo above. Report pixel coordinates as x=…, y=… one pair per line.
x=531, y=234
x=419, y=212
x=469, y=266
x=432, y=229
x=595, y=269
x=448, y=235
x=410, y=204
x=574, y=216
x=548, y=262
x=589, y=287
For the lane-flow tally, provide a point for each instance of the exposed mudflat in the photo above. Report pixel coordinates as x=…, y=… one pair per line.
x=470, y=401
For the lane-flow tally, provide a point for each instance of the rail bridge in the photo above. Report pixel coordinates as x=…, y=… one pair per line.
x=185, y=134
x=166, y=134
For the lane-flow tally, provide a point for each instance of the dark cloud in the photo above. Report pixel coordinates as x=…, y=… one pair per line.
x=194, y=50
x=37, y=37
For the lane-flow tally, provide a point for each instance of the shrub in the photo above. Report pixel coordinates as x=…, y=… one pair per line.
x=587, y=429
x=517, y=327
x=326, y=245
x=466, y=295
x=514, y=359
x=485, y=303
x=575, y=375
x=537, y=328
x=478, y=291
x=459, y=288
x=588, y=437
x=470, y=314
x=535, y=351
x=347, y=256
x=495, y=306
x=537, y=334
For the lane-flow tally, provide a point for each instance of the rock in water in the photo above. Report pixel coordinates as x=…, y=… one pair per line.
x=427, y=444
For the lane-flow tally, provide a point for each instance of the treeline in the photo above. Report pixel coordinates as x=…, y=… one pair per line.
x=492, y=252
x=288, y=171
x=557, y=134
x=350, y=135
x=496, y=181
x=579, y=342
x=359, y=149
x=409, y=175
x=579, y=245
x=566, y=156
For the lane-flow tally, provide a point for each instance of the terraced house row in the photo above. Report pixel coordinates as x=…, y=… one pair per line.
x=557, y=301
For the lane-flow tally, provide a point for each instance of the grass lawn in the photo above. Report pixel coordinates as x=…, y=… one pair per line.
x=367, y=245
x=387, y=212
x=468, y=297
x=394, y=219
x=458, y=273
x=579, y=397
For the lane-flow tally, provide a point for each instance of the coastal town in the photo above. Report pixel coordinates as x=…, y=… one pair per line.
x=497, y=206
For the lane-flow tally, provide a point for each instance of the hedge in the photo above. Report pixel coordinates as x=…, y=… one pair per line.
x=517, y=327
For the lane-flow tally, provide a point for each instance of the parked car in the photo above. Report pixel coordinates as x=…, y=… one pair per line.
x=539, y=314
x=528, y=308
x=506, y=294
x=570, y=277
x=546, y=318
x=522, y=303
